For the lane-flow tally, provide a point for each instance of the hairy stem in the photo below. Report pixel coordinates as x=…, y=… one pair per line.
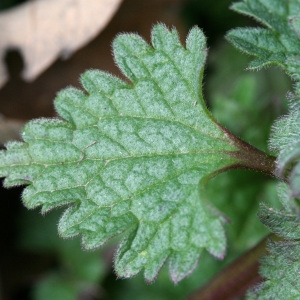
x=251, y=157
x=236, y=278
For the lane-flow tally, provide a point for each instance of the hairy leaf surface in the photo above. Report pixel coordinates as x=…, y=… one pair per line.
x=276, y=43
x=281, y=267
x=285, y=140
x=283, y=222
x=131, y=158
x=281, y=272
x=285, y=137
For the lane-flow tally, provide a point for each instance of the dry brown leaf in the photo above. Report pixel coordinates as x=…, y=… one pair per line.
x=10, y=130
x=45, y=29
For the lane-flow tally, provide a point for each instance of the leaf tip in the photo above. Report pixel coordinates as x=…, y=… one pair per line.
x=196, y=39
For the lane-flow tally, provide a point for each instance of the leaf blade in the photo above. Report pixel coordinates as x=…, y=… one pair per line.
x=131, y=159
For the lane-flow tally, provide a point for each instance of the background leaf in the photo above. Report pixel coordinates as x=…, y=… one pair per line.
x=279, y=45
x=280, y=268
x=42, y=37
x=272, y=46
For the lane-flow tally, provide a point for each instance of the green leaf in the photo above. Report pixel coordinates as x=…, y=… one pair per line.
x=132, y=159
x=281, y=267
x=285, y=140
x=283, y=222
x=277, y=43
x=281, y=272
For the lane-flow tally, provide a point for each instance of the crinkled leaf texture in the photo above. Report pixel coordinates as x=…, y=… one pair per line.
x=131, y=158
x=285, y=140
x=286, y=221
x=274, y=44
x=281, y=272
x=278, y=44
x=281, y=267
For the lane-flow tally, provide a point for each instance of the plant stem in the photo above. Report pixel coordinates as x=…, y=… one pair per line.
x=236, y=278
x=250, y=157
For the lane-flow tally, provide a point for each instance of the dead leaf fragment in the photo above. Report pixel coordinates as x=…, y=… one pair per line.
x=10, y=130
x=44, y=30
